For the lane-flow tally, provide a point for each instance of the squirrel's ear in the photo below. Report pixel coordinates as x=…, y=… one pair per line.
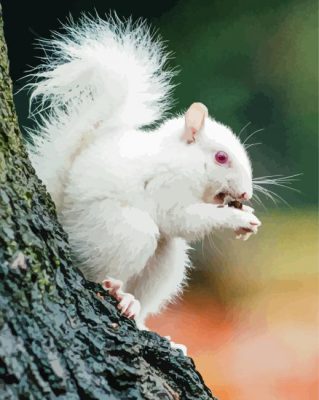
x=194, y=121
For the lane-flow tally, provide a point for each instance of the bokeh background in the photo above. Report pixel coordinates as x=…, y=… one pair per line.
x=250, y=314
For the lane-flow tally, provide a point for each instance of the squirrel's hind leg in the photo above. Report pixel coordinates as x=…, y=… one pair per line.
x=163, y=277
x=109, y=240
x=161, y=280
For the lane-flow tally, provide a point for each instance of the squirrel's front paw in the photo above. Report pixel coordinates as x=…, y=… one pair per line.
x=244, y=222
x=243, y=234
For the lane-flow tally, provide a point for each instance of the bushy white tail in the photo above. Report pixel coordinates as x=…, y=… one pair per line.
x=105, y=69
x=98, y=77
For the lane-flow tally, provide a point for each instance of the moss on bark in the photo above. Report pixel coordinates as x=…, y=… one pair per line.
x=58, y=338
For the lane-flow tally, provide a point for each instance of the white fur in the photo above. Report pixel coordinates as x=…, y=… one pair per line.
x=130, y=199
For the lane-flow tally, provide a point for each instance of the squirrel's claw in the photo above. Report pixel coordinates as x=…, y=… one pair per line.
x=128, y=304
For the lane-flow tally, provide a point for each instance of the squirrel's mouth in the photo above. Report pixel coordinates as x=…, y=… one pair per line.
x=224, y=198
x=220, y=197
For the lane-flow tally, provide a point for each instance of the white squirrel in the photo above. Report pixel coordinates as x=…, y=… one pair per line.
x=132, y=199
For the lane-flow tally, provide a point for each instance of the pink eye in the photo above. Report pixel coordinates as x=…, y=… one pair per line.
x=221, y=157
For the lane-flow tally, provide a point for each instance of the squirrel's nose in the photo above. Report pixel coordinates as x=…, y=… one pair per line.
x=244, y=196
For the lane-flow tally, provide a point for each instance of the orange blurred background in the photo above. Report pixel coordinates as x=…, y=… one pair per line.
x=249, y=317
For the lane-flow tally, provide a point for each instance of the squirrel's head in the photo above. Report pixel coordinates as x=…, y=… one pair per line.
x=227, y=165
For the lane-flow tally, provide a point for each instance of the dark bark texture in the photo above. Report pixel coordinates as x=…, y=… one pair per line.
x=62, y=337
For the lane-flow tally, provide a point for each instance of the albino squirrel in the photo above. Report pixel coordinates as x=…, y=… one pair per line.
x=132, y=199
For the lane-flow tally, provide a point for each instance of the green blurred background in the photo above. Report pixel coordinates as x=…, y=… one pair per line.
x=249, y=61
x=249, y=316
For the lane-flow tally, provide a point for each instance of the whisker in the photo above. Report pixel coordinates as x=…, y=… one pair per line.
x=277, y=180
x=278, y=177
x=266, y=192
x=257, y=198
x=266, y=176
x=252, y=134
x=213, y=244
x=279, y=185
x=280, y=198
x=258, y=201
x=242, y=129
x=271, y=195
x=252, y=144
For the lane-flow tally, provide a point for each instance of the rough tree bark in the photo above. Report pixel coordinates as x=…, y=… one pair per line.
x=59, y=339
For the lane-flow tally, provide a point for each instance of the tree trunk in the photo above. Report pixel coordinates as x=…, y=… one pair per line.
x=60, y=335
